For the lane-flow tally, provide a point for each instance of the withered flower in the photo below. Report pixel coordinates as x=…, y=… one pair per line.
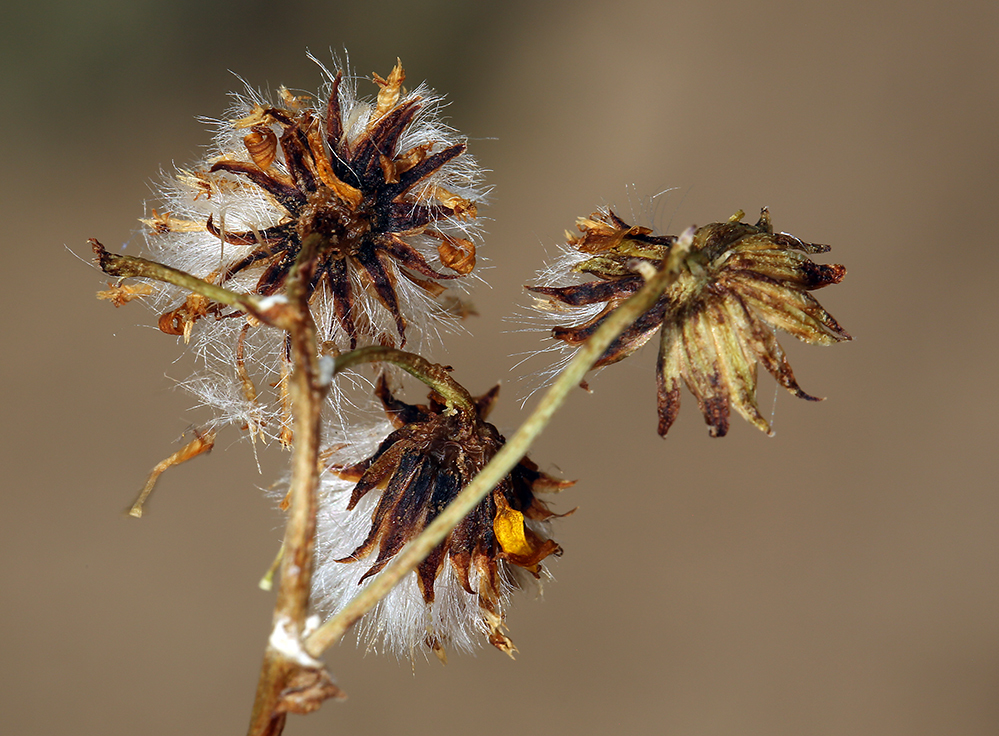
x=716, y=322
x=390, y=189
x=370, y=509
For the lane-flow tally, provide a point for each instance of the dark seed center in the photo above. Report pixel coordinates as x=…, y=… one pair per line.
x=343, y=227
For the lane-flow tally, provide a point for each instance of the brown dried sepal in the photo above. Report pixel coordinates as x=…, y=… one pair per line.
x=121, y=294
x=180, y=321
x=549, y=484
x=306, y=690
x=431, y=287
x=496, y=636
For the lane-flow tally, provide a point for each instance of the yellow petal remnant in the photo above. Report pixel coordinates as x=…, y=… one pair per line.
x=509, y=528
x=520, y=545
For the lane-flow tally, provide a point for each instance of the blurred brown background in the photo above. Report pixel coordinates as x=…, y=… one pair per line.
x=840, y=578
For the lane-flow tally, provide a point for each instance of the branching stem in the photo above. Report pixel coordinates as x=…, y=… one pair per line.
x=281, y=666
x=290, y=679
x=504, y=460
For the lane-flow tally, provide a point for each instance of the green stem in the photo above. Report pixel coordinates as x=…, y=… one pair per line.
x=504, y=460
x=435, y=376
x=267, y=310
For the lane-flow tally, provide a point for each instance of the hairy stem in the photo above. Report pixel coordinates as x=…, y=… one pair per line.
x=290, y=681
x=504, y=460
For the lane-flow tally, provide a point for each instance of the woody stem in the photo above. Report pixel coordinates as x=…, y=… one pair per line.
x=292, y=604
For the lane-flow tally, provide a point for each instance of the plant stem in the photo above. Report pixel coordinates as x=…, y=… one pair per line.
x=271, y=311
x=292, y=604
x=504, y=460
x=435, y=376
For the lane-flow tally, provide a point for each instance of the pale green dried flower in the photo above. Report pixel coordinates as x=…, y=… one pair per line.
x=717, y=322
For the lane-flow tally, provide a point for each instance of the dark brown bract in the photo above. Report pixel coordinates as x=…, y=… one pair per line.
x=716, y=322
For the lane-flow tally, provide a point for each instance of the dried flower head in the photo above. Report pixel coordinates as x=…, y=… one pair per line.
x=716, y=322
x=370, y=509
x=391, y=191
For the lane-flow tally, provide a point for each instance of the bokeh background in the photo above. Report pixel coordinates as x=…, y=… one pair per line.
x=839, y=578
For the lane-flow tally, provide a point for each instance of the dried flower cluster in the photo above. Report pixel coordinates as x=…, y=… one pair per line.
x=716, y=323
x=360, y=213
x=392, y=194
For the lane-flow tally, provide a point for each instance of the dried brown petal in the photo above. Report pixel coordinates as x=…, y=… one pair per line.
x=202, y=443
x=179, y=321
x=458, y=254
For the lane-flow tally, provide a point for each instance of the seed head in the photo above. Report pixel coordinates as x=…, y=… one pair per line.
x=716, y=322
x=391, y=191
x=370, y=509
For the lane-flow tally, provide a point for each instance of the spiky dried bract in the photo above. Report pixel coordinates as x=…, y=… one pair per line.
x=716, y=323
x=370, y=509
x=390, y=189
